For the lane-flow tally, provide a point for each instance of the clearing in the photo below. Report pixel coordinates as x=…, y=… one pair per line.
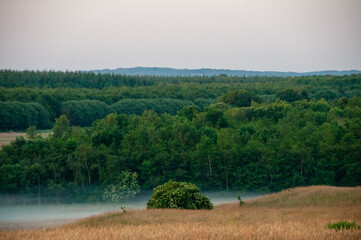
x=8, y=137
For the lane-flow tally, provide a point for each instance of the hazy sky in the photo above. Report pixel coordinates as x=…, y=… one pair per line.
x=283, y=35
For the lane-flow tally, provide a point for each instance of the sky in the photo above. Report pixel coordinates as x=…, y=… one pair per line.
x=258, y=35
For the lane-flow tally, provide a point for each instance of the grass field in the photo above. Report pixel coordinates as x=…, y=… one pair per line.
x=8, y=137
x=300, y=213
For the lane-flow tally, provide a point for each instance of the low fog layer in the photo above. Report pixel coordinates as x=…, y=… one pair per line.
x=32, y=216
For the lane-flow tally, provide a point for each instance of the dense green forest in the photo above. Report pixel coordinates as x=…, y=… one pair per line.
x=223, y=133
x=90, y=96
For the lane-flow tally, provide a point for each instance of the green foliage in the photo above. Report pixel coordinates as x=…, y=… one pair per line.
x=215, y=118
x=37, y=98
x=264, y=145
x=31, y=132
x=178, y=195
x=12, y=177
x=343, y=225
x=61, y=127
x=189, y=112
x=291, y=95
x=282, y=145
x=238, y=98
x=84, y=113
x=17, y=115
x=126, y=187
x=108, y=131
x=241, y=202
x=159, y=105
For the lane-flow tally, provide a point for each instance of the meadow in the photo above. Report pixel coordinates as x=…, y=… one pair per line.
x=7, y=137
x=297, y=213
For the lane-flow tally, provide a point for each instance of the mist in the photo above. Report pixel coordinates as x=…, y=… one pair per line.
x=24, y=216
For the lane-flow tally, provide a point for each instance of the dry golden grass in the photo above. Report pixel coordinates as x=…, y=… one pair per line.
x=311, y=196
x=8, y=137
x=294, y=217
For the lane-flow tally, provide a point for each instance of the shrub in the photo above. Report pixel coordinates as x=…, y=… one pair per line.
x=178, y=195
x=343, y=225
x=241, y=202
x=127, y=187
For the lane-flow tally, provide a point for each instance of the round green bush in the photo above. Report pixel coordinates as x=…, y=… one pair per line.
x=178, y=195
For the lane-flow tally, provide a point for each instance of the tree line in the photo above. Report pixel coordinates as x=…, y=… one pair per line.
x=85, y=97
x=19, y=116
x=230, y=145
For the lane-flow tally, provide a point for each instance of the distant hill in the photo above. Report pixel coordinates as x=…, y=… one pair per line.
x=157, y=71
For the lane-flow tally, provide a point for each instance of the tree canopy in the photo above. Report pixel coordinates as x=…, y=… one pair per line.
x=178, y=195
x=180, y=129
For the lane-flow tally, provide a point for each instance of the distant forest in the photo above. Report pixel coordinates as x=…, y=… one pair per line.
x=37, y=98
x=159, y=71
x=219, y=132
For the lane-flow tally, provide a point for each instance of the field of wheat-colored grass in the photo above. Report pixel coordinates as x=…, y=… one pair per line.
x=7, y=137
x=299, y=213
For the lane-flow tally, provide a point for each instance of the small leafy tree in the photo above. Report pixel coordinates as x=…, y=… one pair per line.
x=241, y=202
x=178, y=195
x=126, y=188
x=31, y=132
x=61, y=127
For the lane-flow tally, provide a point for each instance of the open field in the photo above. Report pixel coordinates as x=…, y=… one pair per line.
x=300, y=213
x=15, y=216
x=8, y=137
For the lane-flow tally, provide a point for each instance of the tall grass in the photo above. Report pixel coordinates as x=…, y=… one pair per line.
x=311, y=196
x=296, y=216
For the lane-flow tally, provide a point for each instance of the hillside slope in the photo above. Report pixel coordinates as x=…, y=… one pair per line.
x=297, y=214
x=311, y=196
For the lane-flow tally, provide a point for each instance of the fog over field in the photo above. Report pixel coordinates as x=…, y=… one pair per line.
x=295, y=213
x=16, y=216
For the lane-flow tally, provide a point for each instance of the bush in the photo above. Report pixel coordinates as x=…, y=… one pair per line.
x=127, y=187
x=343, y=225
x=241, y=202
x=178, y=195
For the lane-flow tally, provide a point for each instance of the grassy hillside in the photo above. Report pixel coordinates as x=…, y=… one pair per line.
x=299, y=213
x=311, y=196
